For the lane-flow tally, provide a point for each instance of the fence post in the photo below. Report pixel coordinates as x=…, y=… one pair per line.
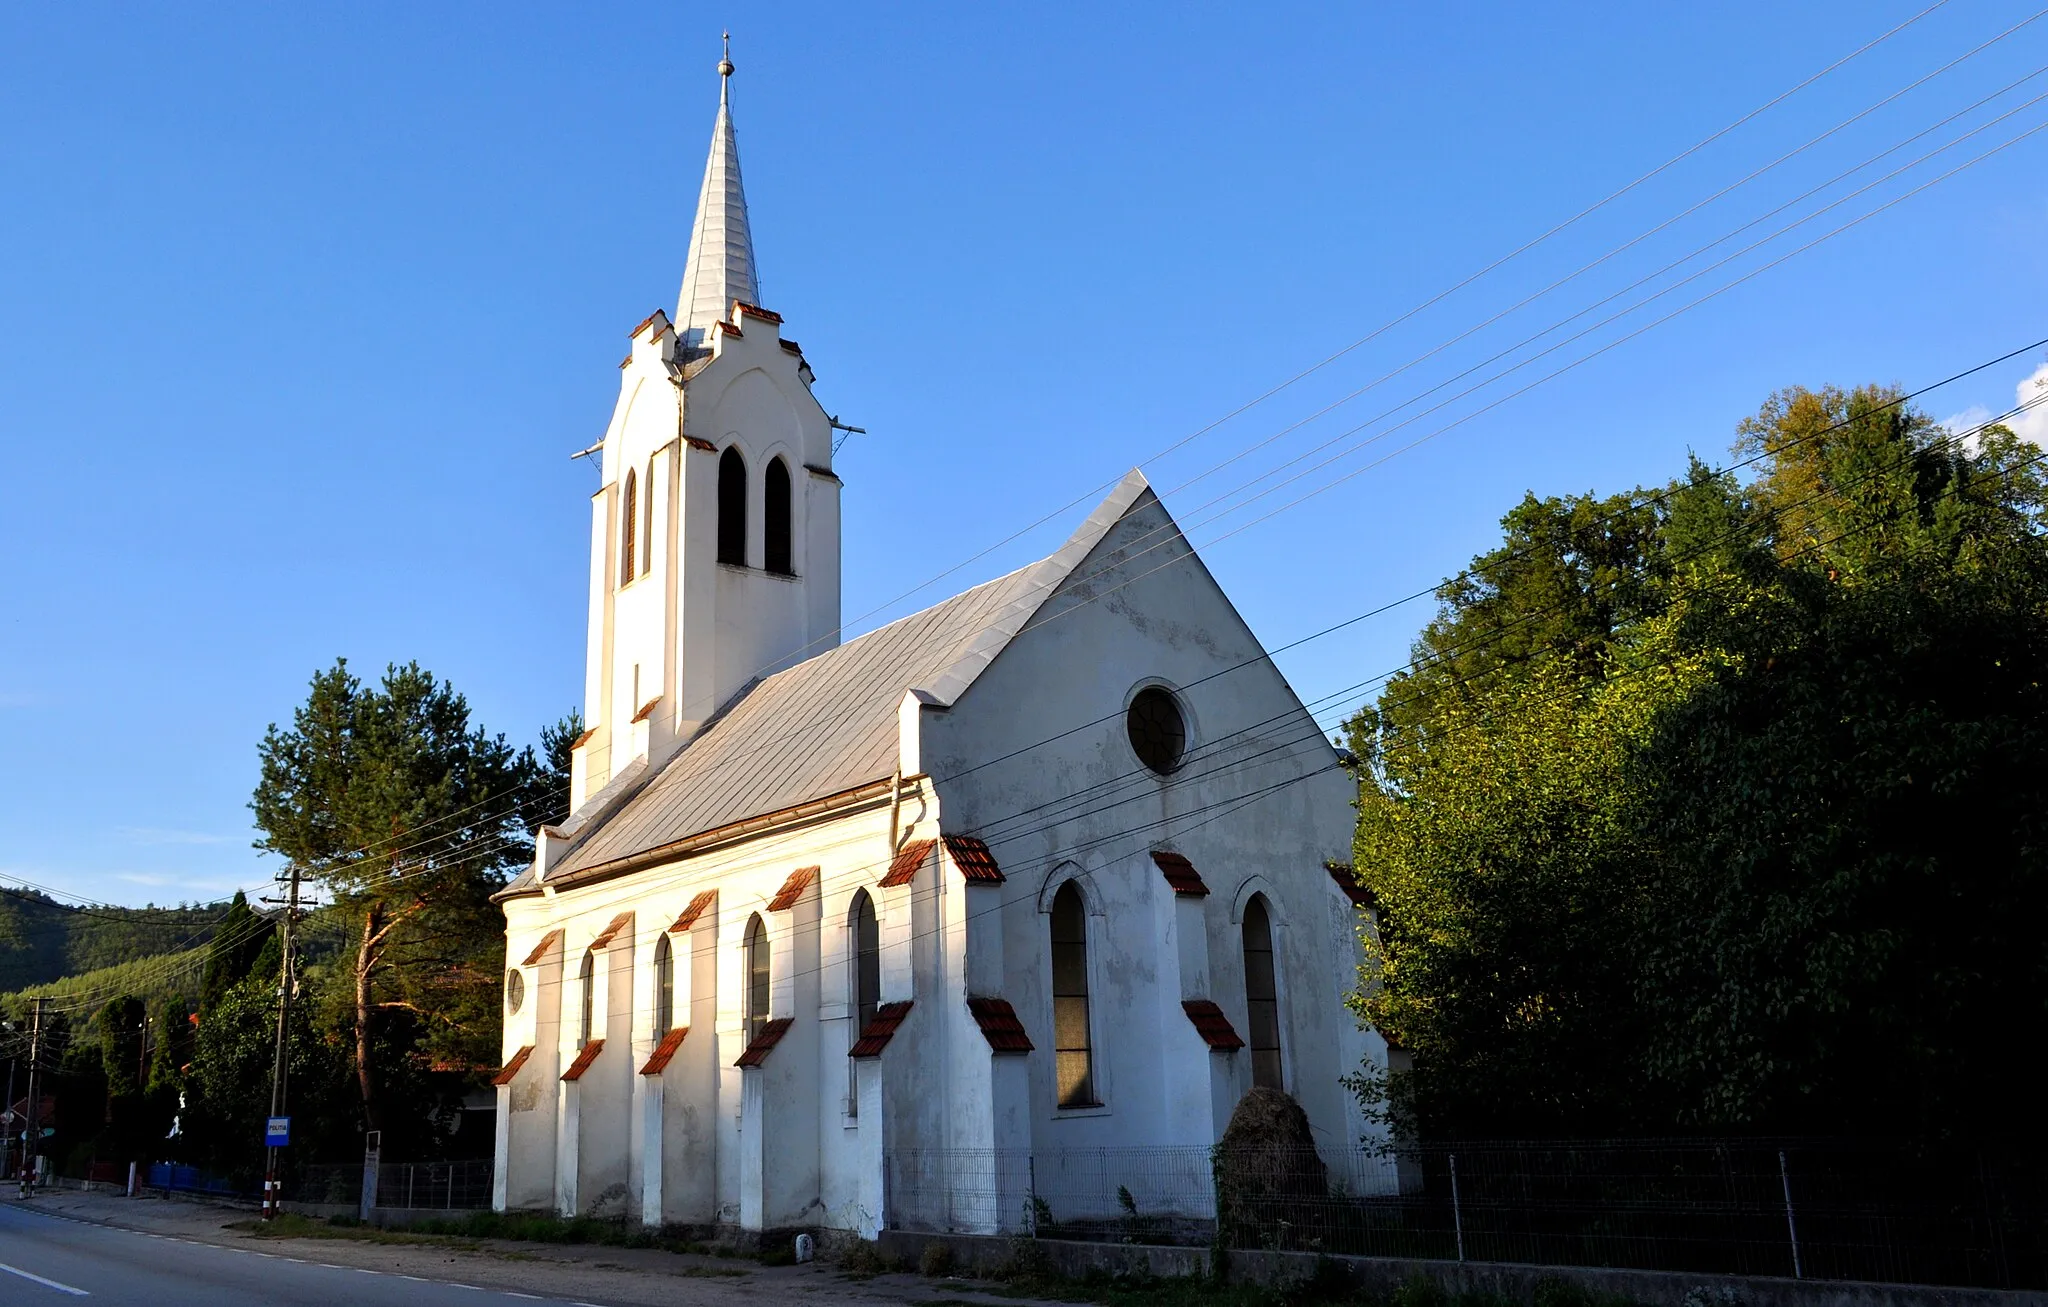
x=1791, y=1227
x=1031, y=1201
x=1457, y=1212
x=373, y=1144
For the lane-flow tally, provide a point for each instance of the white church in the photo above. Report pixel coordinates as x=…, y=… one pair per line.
x=888, y=933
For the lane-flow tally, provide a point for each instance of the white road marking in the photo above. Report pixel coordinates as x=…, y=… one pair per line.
x=47, y=1284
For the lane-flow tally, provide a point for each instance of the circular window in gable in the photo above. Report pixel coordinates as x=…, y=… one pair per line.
x=515, y=990
x=1159, y=731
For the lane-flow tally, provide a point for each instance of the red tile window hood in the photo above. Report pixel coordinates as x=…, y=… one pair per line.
x=658, y=1061
x=584, y=1058
x=999, y=1025
x=875, y=1037
x=769, y=1036
x=1212, y=1025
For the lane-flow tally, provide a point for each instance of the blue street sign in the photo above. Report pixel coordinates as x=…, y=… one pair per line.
x=278, y=1132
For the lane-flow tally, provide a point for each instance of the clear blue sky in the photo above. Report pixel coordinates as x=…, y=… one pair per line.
x=305, y=307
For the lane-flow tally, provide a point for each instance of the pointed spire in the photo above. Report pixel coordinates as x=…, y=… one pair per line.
x=721, y=261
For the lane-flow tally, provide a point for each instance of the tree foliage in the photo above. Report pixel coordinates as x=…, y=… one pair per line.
x=1723, y=808
x=408, y=815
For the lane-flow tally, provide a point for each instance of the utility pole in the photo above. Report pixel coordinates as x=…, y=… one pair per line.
x=277, y=1066
x=7, y=1107
x=32, y=1137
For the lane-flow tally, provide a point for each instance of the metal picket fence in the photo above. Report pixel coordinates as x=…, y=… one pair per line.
x=443, y=1186
x=1895, y=1211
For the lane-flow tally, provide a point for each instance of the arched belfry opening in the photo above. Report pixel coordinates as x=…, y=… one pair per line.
x=777, y=552
x=628, y=519
x=732, y=508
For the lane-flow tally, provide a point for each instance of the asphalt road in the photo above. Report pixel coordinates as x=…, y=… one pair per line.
x=52, y=1259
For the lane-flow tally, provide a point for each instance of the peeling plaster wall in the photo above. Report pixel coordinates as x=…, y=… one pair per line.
x=1157, y=617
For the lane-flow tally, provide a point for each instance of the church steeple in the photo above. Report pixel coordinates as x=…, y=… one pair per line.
x=714, y=540
x=721, y=261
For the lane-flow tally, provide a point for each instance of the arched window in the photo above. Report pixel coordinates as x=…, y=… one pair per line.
x=586, y=979
x=1262, y=996
x=775, y=515
x=647, y=522
x=732, y=508
x=629, y=516
x=863, y=980
x=757, y=977
x=664, y=987
x=1073, y=1059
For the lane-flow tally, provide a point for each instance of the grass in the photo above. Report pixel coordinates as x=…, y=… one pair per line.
x=1321, y=1291
x=471, y=1228
x=1028, y=1276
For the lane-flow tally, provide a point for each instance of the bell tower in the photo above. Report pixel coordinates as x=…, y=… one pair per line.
x=714, y=540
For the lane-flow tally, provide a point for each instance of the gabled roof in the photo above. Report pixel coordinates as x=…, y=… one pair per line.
x=829, y=724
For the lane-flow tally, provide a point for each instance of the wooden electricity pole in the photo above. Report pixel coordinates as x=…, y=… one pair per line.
x=31, y=1138
x=277, y=1065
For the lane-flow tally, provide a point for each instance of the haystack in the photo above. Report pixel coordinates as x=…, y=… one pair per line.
x=1271, y=1187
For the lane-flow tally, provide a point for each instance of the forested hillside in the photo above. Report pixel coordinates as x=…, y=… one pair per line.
x=42, y=940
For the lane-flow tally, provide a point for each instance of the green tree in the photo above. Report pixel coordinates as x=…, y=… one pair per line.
x=1842, y=930
x=1728, y=815
x=549, y=802
x=233, y=949
x=233, y=1056
x=409, y=816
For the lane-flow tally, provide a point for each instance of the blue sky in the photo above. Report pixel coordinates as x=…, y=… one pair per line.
x=304, y=308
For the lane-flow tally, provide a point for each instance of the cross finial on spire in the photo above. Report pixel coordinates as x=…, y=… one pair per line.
x=725, y=67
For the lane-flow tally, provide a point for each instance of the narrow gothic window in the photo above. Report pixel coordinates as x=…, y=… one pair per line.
x=775, y=518
x=732, y=508
x=1072, y=1056
x=647, y=523
x=587, y=980
x=628, y=516
x=664, y=987
x=757, y=977
x=863, y=981
x=1262, y=996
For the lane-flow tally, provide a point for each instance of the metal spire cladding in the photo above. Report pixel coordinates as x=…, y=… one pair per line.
x=720, y=268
